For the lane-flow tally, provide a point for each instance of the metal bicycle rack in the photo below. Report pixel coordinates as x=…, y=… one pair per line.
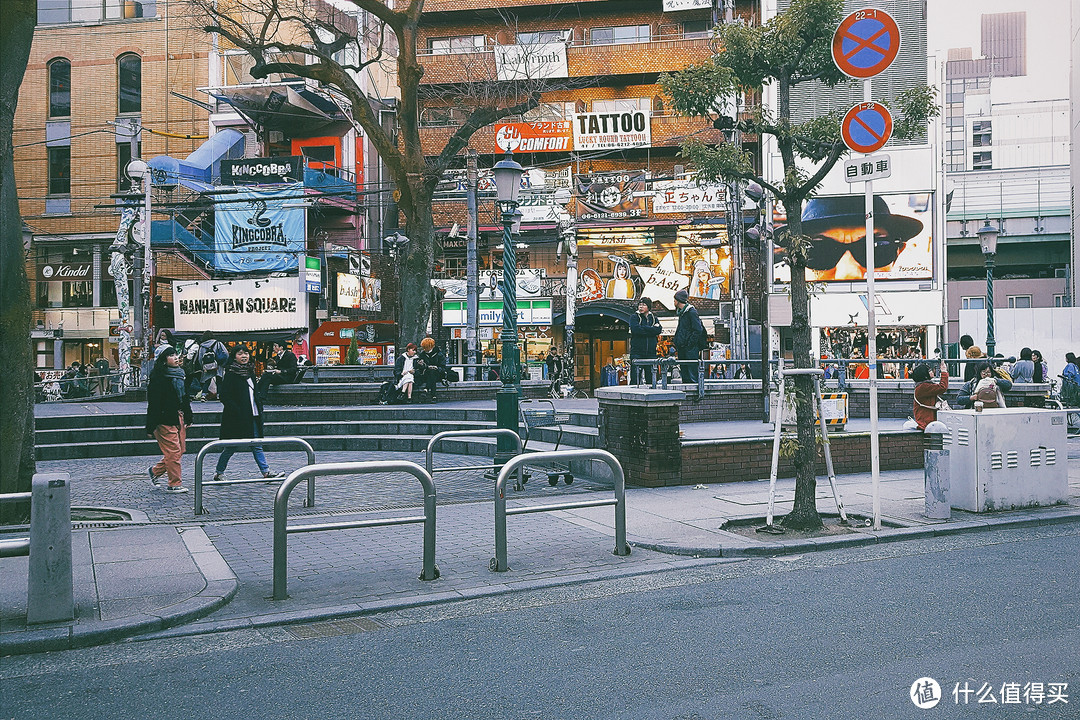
x=429, y=453
x=498, y=563
x=281, y=508
x=250, y=443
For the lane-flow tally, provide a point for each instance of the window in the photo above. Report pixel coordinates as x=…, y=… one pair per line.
x=980, y=134
x=59, y=88
x=51, y=12
x=123, y=157
x=59, y=170
x=618, y=35
x=1019, y=301
x=459, y=44
x=1059, y=301
x=546, y=112
x=697, y=28
x=129, y=84
x=542, y=37
x=622, y=105
x=973, y=303
x=982, y=160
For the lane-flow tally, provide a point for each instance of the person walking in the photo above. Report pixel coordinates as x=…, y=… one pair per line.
x=168, y=415
x=405, y=370
x=242, y=411
x=434, y=366
x=928, y=393
x=645, y=328
x=690, y=337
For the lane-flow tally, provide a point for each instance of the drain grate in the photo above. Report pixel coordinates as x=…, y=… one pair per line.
x=332, y=628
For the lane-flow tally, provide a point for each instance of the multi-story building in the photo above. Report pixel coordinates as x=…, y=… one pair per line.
x=106, y=82
x=601, y=132
x=1006, y=156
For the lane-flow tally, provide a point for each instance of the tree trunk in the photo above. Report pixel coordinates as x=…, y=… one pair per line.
x=415, y=266
x=16, y=356
x=804, y=515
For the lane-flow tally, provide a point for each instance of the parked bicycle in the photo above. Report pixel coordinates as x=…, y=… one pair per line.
x=1068, y=399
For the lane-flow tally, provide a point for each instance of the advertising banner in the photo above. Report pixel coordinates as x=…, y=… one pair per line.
x=359, y=293
x=530, y=61
x=683, y=196
x=551, y=136
x=65, y=272
x=612, y=130
x=674, y=5
x=610, y=196
x=259, y=230
x=262, y=171
x=311, y=275
x=903, y=243
x=238, y=305
x=490, y=285
x=530, y=312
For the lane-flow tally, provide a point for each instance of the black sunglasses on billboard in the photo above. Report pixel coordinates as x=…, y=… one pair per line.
x=823, y=252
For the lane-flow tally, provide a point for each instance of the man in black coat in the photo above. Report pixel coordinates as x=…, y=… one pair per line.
x=690, y=337
x=644, y=329
x=282, y=372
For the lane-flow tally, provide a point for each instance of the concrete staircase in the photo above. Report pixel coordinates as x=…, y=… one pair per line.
x=373, y=428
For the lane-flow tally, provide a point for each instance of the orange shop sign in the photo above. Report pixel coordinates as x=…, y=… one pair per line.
x=548, y=136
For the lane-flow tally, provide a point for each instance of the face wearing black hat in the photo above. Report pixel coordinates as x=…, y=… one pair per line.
x=682, y=297
x=837, y=230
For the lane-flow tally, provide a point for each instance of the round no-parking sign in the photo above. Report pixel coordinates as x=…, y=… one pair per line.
x=866, y=127
x=865, y=43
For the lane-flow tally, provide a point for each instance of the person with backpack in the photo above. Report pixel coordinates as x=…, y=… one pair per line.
x=212, y=357
x=690, y=337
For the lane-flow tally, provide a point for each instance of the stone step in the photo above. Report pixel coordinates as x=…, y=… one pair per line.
x=307, y=429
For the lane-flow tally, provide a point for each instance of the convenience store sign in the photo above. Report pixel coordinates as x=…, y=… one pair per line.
x=530, y=312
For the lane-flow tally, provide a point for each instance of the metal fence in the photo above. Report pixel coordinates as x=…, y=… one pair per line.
x=250, y=443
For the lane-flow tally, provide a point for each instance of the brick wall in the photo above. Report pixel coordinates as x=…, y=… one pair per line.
x=645, y=439
x=713, y=461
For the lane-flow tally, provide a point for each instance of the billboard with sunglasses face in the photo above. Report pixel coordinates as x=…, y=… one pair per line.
x=837, y=239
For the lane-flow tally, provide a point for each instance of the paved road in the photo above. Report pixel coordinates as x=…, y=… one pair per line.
x=830, y=635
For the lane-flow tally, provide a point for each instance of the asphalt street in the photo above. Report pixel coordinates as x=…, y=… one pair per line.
x=838, y=634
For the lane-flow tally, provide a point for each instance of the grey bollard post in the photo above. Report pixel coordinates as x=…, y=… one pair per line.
x=50, y=596
x=936, y=471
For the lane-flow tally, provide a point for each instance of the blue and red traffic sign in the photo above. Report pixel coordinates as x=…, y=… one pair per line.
x=865, y=43
x=866, y=127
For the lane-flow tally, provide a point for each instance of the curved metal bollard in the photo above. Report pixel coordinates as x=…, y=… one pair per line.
x=429, y=453
x=281, y=508
x=498, y=563
x=249, y=443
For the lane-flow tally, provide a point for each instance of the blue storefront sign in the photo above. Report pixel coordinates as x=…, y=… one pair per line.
x=260, y=230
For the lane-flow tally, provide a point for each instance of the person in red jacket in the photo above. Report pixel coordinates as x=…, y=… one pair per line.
x=927, y=393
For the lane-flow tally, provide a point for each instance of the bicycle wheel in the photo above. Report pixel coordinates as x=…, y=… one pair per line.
x=1073, y=419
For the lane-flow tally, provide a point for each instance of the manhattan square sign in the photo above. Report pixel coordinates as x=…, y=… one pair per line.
x=238, y=305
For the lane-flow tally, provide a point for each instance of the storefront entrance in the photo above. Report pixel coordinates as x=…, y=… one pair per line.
x=599, y=338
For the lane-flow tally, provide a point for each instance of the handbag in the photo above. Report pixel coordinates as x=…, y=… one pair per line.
x=942, y=403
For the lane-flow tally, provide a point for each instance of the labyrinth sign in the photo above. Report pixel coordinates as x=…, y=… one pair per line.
x=865, y=43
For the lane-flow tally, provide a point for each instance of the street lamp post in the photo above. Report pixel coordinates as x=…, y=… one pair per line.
x=507, y=185
x=988, y=236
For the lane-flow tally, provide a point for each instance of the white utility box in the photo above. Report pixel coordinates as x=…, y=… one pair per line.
x=1006, y=458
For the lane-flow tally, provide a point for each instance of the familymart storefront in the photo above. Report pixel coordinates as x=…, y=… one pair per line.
x=534, y=328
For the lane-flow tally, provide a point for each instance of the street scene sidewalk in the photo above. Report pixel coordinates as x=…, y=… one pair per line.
x=167, y=570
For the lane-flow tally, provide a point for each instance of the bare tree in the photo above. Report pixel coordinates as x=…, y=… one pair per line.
x=16, y=357
x=276, y=33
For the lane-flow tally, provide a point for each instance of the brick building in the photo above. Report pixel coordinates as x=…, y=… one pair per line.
x=603, y=132
x=105, y=81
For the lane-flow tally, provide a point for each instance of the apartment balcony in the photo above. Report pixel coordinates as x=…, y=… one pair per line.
x=446, y=6
x=582, y=61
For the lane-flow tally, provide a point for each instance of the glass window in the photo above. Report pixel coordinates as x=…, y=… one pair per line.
x=697, y=28
x=973, y=303
x=542, y=37
x=51, y=12
x=59, y=170
x=59, y=88
x=982, y=161
x=123, y=157
x=545, y=112
x=1019, y=301
x=129, y=84
x=622, y=105
x=460, y=44
x=1059, y=301
x=620, y=34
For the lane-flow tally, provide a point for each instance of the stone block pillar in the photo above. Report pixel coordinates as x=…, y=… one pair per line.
x=640, y=427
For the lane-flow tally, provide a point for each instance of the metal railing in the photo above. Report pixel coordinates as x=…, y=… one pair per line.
x=20, y=546
x=281, y=508
x=498, y=563
x=89, y=387
x=249, y=443
x=429, y=453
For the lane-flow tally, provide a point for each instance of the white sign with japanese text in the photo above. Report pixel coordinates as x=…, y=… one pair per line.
x=680, y=196
x=867, y=167
x=612, y=130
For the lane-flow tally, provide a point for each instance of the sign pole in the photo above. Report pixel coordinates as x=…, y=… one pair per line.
x=871, y=338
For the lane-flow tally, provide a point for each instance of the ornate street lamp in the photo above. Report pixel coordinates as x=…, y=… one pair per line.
x=988, y=236
x=507, y=185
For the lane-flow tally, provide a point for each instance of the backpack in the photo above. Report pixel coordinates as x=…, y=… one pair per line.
x=208, y=362
x=987, y=393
